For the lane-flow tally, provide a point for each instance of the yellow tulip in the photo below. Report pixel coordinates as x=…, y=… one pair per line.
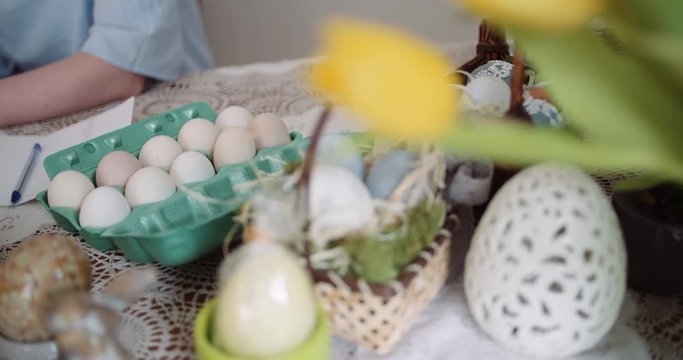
x=397, y=83
x=539, y=14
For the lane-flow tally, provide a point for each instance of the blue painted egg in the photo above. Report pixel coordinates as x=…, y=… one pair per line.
x=388, y=171
x=542, y=113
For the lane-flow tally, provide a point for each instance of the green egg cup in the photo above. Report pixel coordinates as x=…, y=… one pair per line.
x=316, y=347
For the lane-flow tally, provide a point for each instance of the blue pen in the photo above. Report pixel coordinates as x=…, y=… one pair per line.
x=16, y=194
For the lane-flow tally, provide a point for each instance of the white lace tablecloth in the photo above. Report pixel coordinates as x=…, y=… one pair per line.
x=159, y=325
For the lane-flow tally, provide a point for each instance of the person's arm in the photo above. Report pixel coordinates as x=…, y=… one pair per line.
x=70, y=85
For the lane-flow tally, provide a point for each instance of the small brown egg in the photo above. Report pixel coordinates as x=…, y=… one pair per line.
x=269, y=130
x=115, y=168
x=35, y=272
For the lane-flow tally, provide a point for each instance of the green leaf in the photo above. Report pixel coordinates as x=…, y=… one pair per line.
x=612, y=98
x=656, y=15
x=510, y=142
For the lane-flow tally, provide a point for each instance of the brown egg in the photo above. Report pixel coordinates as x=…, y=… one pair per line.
x=35, y=272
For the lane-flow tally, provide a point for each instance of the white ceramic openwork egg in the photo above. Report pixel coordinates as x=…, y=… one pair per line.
x=546, y=271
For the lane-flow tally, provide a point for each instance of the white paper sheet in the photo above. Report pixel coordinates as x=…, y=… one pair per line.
x=15, y=150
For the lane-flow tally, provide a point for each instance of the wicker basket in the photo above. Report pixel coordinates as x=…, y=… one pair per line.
x=377, y=316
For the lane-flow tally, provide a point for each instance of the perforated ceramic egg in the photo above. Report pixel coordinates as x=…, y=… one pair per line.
x=545, y=273
x=32, y=275
x=266, y=306
x=198, y=135
x=236, y=116
x=269, y=130
x=159, y=151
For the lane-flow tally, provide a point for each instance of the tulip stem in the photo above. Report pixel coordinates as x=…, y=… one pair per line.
x=306, y=168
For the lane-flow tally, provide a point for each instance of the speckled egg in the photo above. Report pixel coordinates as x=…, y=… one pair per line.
x=33, y=273
x=545, y=274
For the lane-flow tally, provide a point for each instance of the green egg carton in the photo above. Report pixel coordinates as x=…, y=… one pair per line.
x=189, y=224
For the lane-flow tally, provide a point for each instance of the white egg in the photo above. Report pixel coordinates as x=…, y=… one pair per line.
x=103, y=207
x=159, y=152
x=486, y=95
x=234, y=116
x=269, y=130
x=115, y=168
x=68, y=189
x=149, y=185
x=198, y=135
x=234, y=145
x=545, y=274
x=339, y=203
x=264, y=294
x=191, y=166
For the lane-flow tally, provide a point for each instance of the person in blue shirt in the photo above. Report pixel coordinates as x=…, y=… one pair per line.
x=62, y=56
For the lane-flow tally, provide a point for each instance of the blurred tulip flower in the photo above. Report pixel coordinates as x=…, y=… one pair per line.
x=538, y=14
x=395, y=82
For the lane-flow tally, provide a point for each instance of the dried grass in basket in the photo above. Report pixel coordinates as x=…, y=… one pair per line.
x=377, y=316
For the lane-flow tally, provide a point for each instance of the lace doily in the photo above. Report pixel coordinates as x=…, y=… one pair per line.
x=159, y=325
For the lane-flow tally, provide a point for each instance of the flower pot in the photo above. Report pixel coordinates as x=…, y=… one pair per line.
x=654, y=246
x=317, y=347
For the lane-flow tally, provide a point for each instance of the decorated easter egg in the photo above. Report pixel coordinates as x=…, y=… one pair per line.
x=266, y=305
x=498, y=68
x=546, y=271
x=542, y=112
x=33, y=274
x=388, y=170
x=339, y=150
